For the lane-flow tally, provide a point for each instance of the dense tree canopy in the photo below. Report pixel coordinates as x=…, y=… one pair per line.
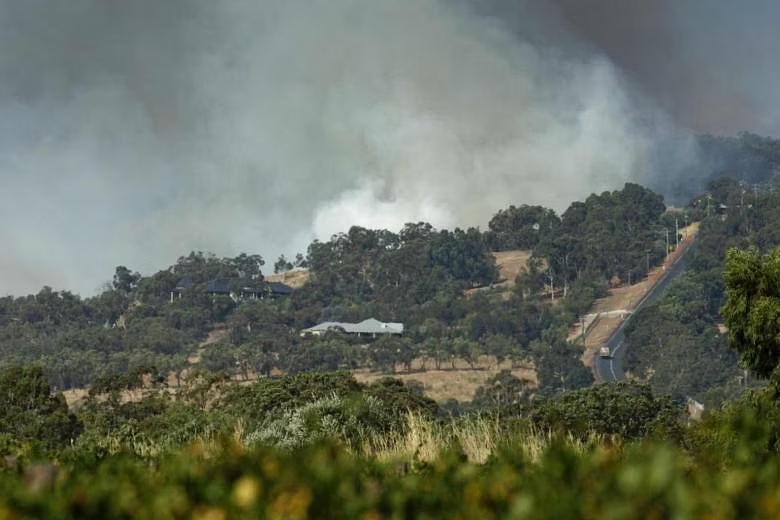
x=521, y=227
x=752, y=308
x=678, y=344
x=31, y=413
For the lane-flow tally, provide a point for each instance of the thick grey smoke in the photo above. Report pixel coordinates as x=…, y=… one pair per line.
x=711, y=65
x=134, y=132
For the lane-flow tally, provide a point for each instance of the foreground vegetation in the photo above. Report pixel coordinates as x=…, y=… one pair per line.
x=324, y=446
x=488, y=466
x=228, y=480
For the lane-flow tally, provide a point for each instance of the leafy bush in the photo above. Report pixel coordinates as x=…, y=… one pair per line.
x=31, y=414
x=323, y=480
x=625, y=408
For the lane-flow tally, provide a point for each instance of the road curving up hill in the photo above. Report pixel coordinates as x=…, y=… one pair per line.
x=604, y=324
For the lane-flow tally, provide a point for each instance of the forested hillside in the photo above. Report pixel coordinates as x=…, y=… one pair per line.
x=747, y=158
x=679, y=343
x=419, y=276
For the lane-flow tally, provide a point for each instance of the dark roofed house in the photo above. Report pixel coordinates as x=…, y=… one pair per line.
x=236, y=288
x=276, y=289
x=243, y=289
x=248, y=289
x=219, y=286
x=182, y=285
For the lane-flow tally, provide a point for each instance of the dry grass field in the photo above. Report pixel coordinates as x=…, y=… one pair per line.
x=295, y=279
x=459, y=383
x=440, y=385
x=510, y=264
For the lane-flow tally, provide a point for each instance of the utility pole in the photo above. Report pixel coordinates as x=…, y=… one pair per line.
x=676, y=235
x=552, y=287
x=647, y=252
x=667, y=242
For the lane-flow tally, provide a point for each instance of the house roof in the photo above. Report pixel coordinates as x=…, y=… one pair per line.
x=368, y=326
x=183, y=283
x=248, y=285
x=375, y=326
x=279, y=288
x=219, y=286
x=225, y=285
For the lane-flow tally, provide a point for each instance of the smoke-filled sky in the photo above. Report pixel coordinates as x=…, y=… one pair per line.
x=132, y=132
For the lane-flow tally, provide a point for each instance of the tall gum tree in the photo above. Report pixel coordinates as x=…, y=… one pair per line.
x=752, y=308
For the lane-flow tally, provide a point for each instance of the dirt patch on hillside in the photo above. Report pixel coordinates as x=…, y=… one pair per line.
x=295, y=279
x=215, y=336
x=75, y=396
x=510, y=264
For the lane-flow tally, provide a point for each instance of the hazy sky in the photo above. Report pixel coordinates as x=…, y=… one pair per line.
x=132, y=132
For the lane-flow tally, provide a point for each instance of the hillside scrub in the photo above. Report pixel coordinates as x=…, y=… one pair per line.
x=678, y=344
x=441, y=284
x=339, y=449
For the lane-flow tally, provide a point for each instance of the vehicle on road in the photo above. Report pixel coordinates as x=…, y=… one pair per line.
x=604, y=352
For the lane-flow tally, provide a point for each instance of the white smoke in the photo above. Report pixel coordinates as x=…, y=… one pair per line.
x=136, y=132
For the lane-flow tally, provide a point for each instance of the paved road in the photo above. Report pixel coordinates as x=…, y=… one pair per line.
x=611, y=369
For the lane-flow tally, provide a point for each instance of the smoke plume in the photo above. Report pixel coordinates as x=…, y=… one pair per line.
x=134, y=132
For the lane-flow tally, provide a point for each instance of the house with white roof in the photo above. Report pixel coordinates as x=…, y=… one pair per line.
x=370, y=327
